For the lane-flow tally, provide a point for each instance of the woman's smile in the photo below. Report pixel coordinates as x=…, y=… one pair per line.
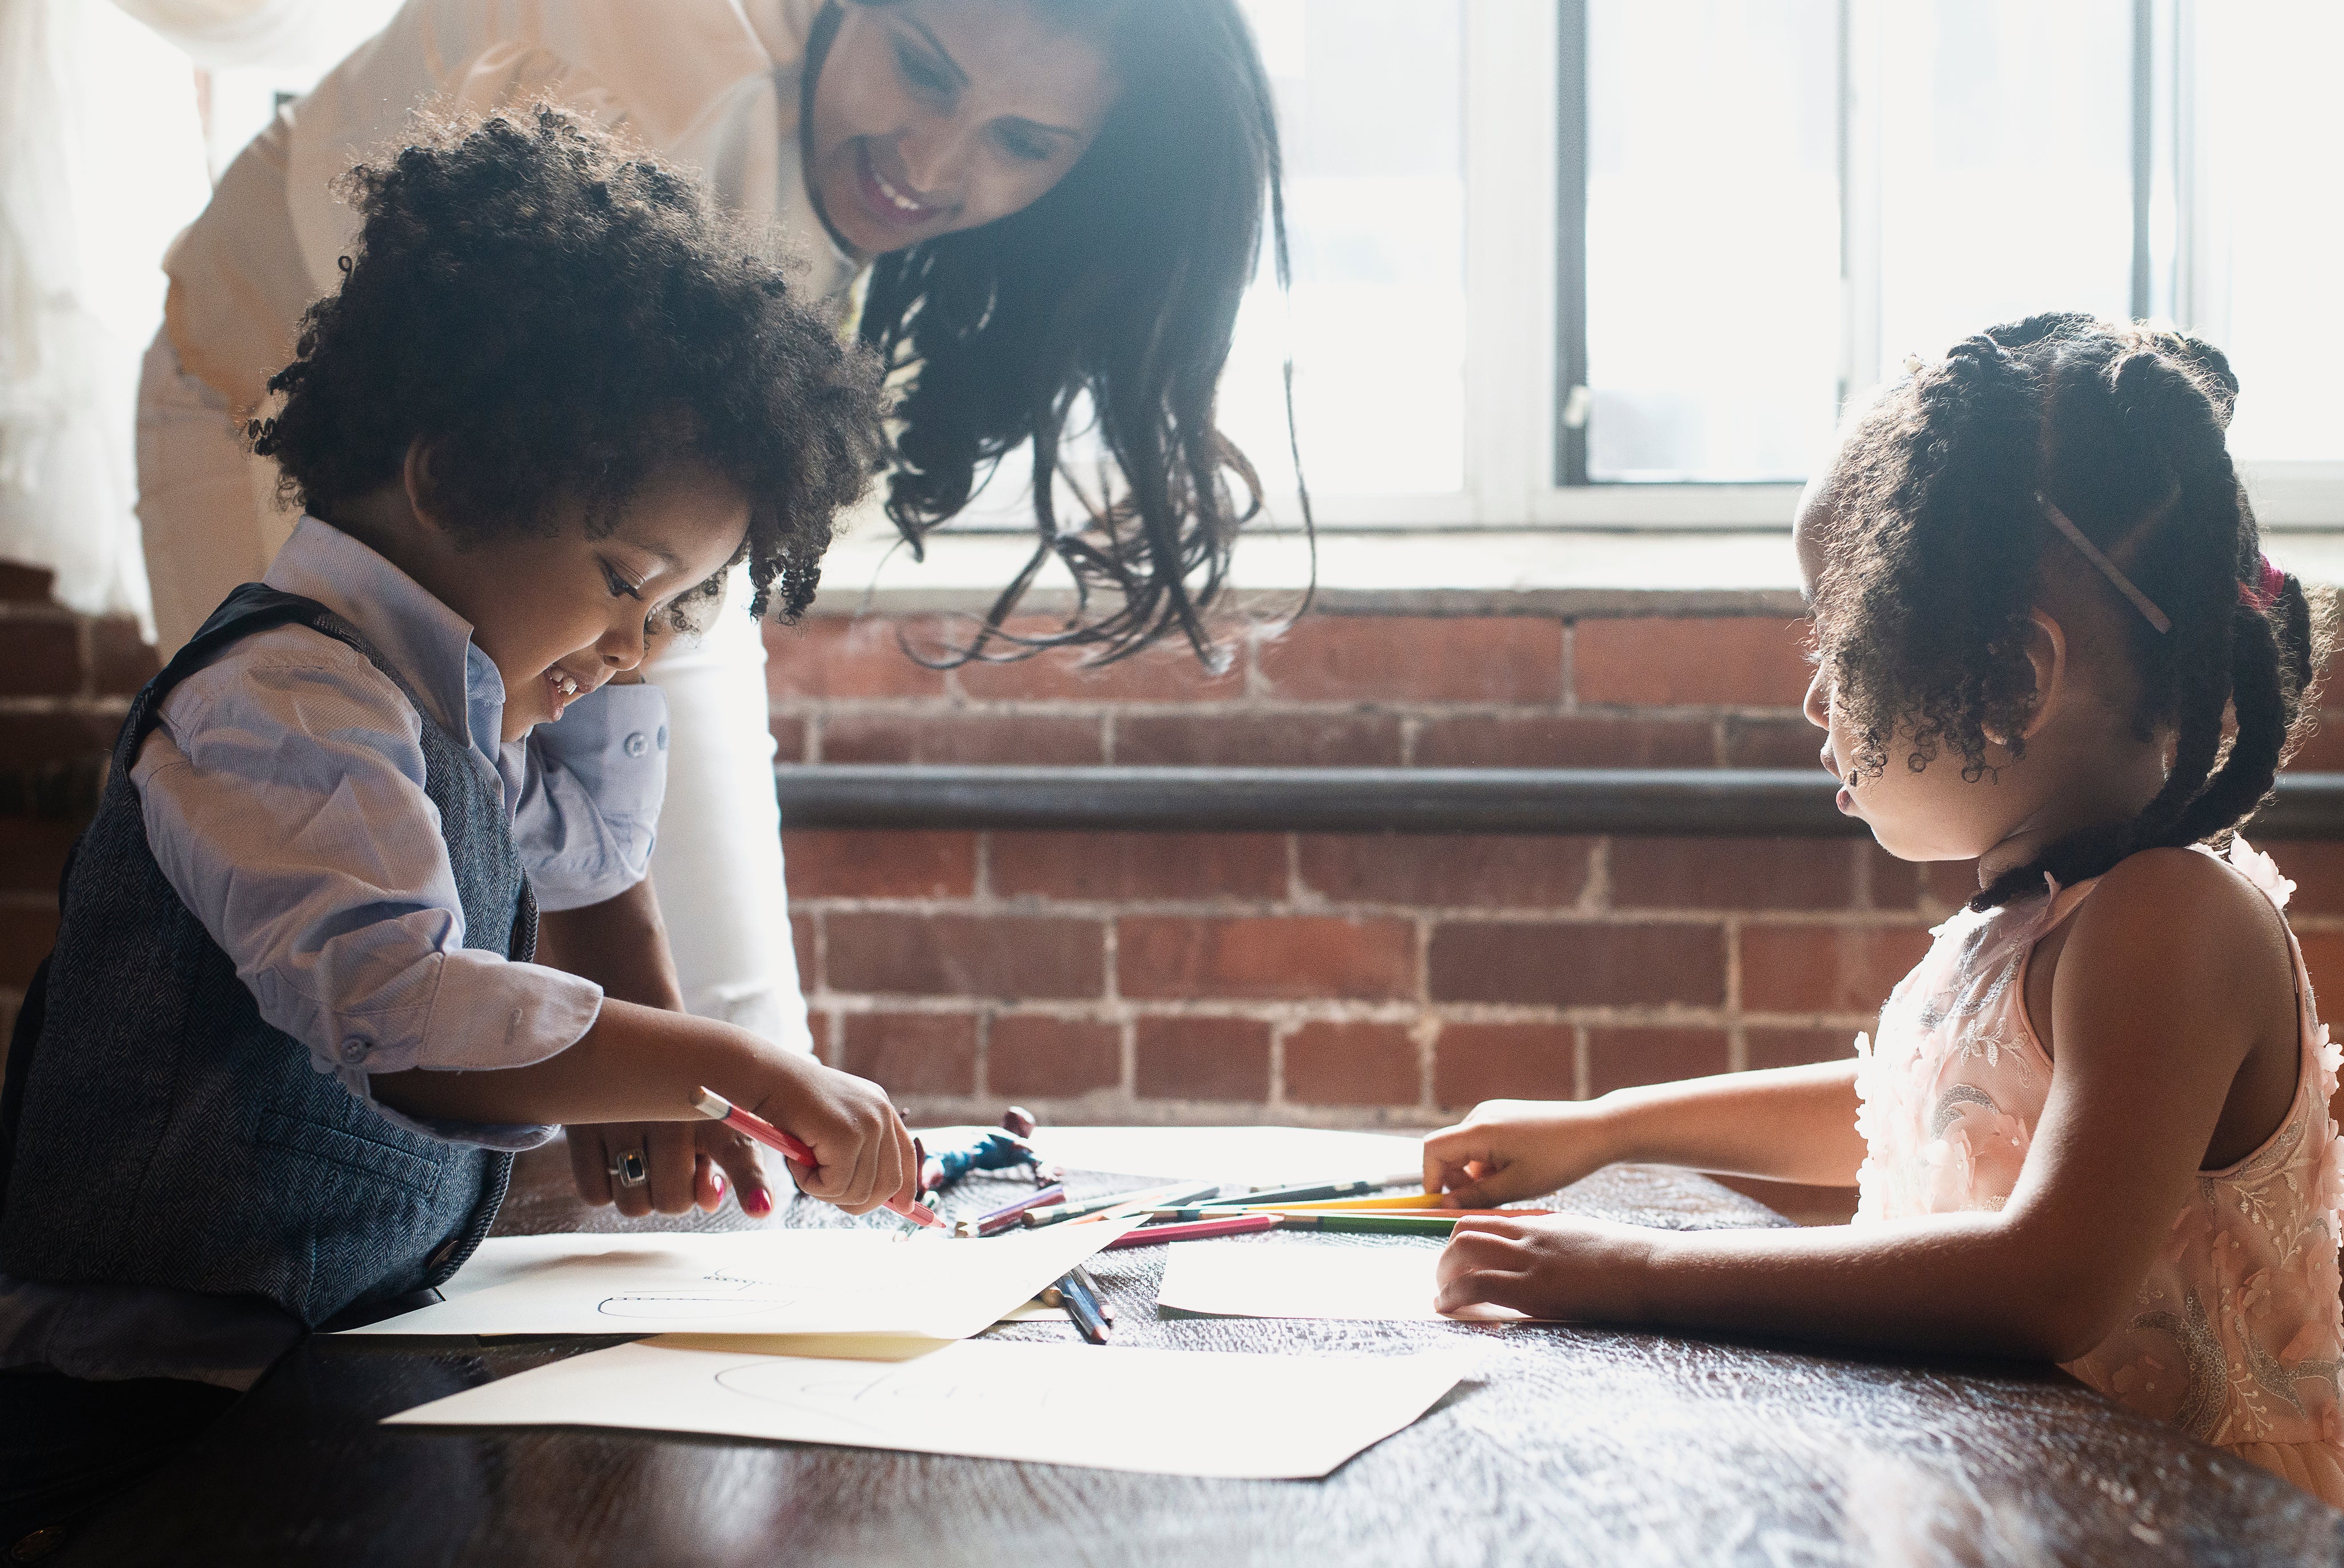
x=887, y=202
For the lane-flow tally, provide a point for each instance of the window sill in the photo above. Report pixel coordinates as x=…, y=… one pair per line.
x=1384, y=571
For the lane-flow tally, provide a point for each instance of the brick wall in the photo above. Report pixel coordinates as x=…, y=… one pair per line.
x=1337, y=979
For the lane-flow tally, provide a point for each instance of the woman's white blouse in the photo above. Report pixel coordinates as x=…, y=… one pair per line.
x=709, y=84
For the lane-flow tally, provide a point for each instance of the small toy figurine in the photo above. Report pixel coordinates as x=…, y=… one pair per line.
x=1003, y=1151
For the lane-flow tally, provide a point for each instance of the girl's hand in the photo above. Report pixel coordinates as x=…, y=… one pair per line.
x=687, y=1163
x=1550, y=1266
x=862, y=1149
x=1515, y=1149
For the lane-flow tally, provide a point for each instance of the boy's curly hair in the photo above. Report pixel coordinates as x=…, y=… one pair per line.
x=558, y=317
x=1937, y=530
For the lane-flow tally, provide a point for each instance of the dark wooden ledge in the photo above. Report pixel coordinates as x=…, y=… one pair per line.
x=1710, y=802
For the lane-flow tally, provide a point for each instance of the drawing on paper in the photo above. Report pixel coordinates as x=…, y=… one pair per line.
x=716, y=1295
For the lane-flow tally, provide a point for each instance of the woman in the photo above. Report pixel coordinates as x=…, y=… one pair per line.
x=1055, y=202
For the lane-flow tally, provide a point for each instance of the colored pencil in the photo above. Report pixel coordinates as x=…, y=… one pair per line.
x=1314, y=1191
x=1082, y=1305
x=1375, y=1224
x=1237, y=1225
x=1171, y=1192
x=716, y=1107
x=1299, y=1211
x=1005, y=1218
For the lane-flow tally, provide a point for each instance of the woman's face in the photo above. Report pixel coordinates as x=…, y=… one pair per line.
x=932, y=115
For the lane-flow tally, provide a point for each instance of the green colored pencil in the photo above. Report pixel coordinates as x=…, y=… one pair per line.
x=1373, y=1224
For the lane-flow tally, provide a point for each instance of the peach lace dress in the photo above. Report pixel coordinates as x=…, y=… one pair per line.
x=2235, y=1335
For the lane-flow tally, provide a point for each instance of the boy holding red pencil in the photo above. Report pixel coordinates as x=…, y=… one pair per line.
x=291, y=1033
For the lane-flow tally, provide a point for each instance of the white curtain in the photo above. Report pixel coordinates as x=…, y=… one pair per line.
x=101, y=162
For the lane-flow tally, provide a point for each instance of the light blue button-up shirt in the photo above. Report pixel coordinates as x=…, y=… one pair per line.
x=282, y=790
x=283, y=795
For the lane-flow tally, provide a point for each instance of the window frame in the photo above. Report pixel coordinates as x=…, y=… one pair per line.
x=1524, y=144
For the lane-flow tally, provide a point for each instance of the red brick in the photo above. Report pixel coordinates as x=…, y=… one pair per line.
x=1732, y=873
x=1303, y=958
x=2322, y=751
x=32, y=739
x=2317, y=869
x=823, y=656
x=1046, y=1059
x=1351, y=1064
x=1007, y=739
x=788, y=731
x=1754, y=662
x=1554, y=741
x=801, y=929
x=1825, y=968
x=1797, y=1048
x=1772, y=743
x=825, y=1039
x=1896, y=884
x=1446, y=869
x=32, y=853
x=1577, y=965
x=22, y=585
x=2323, y=956
x=1295, y=739
x=1474, y=1062
x=27, y=932
x=1125, y=866
x=879, y=863
x=1167, y=672
x=1202, y=1058
x=999, y=957
x=911, y=1053
x=121, y=660
x=1416, y=658
x=1617, y=1058
x=39, y=658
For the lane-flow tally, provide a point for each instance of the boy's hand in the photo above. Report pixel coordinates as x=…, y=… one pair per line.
x=862, y=1148
x=1514, y=1149
x=1552, y=1266
x=687, y=1163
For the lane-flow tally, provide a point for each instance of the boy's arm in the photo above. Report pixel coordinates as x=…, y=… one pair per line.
x=1789, y=1124
x=639, y=1063
x=2152, y=1020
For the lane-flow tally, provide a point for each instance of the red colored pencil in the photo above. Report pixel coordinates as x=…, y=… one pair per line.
x=716, y=1107
x=1238, y=1225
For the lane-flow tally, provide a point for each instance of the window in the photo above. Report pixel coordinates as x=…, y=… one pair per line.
x=1608, y=264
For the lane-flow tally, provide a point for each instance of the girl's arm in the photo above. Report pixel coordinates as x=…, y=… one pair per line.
x=1790, y=1124
x=2174, y=972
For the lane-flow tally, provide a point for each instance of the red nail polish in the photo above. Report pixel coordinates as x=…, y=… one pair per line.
x=757, y=1201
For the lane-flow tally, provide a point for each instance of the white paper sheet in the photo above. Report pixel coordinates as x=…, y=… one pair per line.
x=1169, y=1413
x=749, y=1282
x=1298, y=1279
x=1254, y=1156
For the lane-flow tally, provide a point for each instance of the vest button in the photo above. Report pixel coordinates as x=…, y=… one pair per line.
x=661, y=740
x=637, y=743
x=441, y=1253
x=355, y=1050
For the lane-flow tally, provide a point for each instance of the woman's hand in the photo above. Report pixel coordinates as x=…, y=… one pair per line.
x=1549, y=1265
x=1515, y=1149
x=687, y=1164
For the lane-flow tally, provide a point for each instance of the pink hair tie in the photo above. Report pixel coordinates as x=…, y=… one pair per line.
x=2261, y=597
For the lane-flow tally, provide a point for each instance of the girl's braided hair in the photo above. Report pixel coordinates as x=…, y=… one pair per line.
x=1938, y=527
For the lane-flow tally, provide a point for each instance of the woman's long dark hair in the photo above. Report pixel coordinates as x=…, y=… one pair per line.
x=1120, y=286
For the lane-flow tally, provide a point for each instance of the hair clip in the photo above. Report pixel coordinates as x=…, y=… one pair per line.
x=2261, y=597
x=2091, y=552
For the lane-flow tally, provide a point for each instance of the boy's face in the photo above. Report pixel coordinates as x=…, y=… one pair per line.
x=563, y=616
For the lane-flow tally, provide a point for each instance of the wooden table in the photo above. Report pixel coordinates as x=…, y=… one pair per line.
x=1569, y=1446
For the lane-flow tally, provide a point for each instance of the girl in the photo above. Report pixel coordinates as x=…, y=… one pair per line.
x=1051, y=201
x=274, y=1071
x=2094, y=1126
